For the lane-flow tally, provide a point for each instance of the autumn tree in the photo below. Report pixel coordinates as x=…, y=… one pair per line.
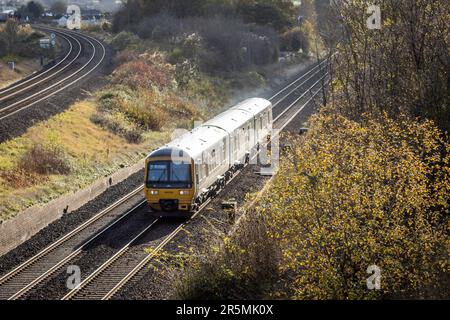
x=402, y=67
x=351, y=196
x=59, y=7
x=11, y=36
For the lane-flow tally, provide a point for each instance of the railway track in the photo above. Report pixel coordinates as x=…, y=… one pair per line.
x=85, y=54
x=105, y=281
x=43, y=265
x=114, y=274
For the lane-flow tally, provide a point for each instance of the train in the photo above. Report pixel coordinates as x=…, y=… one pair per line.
x=183, y=174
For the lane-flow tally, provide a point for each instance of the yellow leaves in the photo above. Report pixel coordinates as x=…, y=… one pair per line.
x=367, y=196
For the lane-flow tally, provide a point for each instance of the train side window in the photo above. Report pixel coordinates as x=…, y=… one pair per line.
x=224, y=150
x=213, y=159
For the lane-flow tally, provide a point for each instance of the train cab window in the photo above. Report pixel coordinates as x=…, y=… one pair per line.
x=180, y=172
x=168, y=174
x=158, y=171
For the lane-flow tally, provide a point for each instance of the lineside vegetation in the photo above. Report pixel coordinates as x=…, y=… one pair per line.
x=369, y=183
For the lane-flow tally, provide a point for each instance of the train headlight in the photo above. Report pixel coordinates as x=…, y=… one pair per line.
x=153, y=192
x=184, y=192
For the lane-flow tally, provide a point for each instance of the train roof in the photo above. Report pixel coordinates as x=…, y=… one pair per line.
x=229, y=120
x=253, y=105
x=192, y=143
x=234, y=117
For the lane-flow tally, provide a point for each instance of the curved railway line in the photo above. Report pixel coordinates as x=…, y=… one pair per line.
x=114, y=273
x=84, y=55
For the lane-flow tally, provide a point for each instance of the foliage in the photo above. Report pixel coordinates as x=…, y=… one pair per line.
x=349, y=196
x=374, y=194
x=45, y=160
x=124, y=40
x=59, y=8
x=33, y=10
x=240, y=266
x=209, y=41
x=243, y=33
x=20, y=40
x=146, y=70
x=401, y=68
x=276, y=13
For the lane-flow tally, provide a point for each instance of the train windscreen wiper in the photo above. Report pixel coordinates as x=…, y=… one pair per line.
x=161, y=176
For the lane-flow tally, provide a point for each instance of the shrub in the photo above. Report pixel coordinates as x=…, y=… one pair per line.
x=160, y=27
x=118, y=124
x=125, y=56
x=237, y=44
x=354, y=195
x=242, y=266
x=147, y=71
x=124, y=40
x=45, y=160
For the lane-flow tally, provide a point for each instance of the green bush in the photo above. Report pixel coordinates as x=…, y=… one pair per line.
x=45, y=160
x=124, y=40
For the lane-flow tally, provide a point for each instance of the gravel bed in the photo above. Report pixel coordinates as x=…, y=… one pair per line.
x=94, y=255
x=18, y=123
x=67, y=223
x=149, y=283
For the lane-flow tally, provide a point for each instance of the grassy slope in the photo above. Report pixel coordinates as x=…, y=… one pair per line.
x=24, y=67
x=93, y=152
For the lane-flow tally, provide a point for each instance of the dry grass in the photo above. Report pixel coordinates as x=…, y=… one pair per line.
x=69, y=139
x=24, y=67
x=242, y=265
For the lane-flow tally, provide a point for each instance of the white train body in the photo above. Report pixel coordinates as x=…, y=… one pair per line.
x=214, y=151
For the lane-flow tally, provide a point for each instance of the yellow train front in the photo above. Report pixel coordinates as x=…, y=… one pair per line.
x=169, y=186
x=184, y=173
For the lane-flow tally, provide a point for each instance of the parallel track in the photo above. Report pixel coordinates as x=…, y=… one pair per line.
x=115, y=273
x=74, y=67
x=16, y=283
x=21, y=279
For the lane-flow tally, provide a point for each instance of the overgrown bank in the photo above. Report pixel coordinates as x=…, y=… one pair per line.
x=20, y=44
x=348, y=196
x=367, y=188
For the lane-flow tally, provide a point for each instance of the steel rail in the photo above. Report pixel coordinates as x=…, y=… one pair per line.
x=61, y=81
x=40, y=74
x=299, y=98
x=168, y=238
x=61, y=241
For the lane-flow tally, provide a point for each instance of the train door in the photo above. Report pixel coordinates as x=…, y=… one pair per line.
x=224, y=154
x=261, y=126
x=248, y=136
x=234, y=147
